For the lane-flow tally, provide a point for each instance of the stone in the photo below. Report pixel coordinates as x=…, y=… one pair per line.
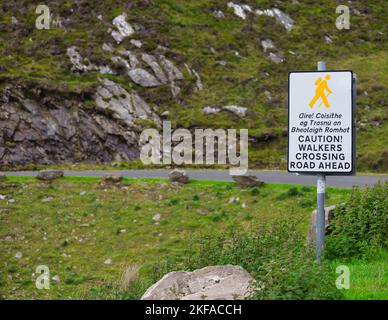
x=107, y=47
x=226, y=282
x=124, y=28
x=153, y=64
x=156, y=217
x=136, y=43
x=275, y=58
x=219, y=14
x=237, y=110
x=198, y=82
x=18, y=255
x=279, y=15
x=14, y=20
x=179, y=176
x=328, y=39
x=143, y=78
x=49, y=175
x=112, y=178
x=79, y=62
x=247, y=181
x=267, y=44
x=210, y=110
x=108, y=261
x=240, y=10
x=173, y=72
x=329, y=213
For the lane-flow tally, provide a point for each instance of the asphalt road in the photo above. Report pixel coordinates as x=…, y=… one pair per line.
x=281, y=177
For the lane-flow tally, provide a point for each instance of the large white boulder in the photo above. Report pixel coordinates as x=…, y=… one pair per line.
x=210, y=283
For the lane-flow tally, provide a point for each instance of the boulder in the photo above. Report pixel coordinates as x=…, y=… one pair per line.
x=313, y=226
x=237, y=110
x=123, y=28
x=49, y=175
x=143, y=78
x=226, y=282
x=179, y=176
x=247, y=181
x=112, y=178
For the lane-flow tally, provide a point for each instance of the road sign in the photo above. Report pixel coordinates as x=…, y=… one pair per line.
x=321, y=122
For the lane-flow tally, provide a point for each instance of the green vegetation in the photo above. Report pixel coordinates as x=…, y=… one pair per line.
x=360, y=225
x=73, y=225
x=188, y=29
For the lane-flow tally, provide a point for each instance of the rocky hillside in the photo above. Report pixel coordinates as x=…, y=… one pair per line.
x=84, y=89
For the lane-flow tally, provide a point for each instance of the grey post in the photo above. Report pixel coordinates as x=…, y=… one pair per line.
x=321, y=195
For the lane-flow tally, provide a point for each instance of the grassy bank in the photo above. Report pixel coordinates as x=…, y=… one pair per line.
x=74, y=225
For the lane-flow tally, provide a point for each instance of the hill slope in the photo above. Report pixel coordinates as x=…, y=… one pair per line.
x=75, y=92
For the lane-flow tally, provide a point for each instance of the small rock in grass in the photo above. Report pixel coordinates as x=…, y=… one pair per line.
x=56, y=278
x=2, y=197
x=18, y=255
x=82, y=193
x=156, y=217
x=247, y=181
x=112, y=178
x=179, y=176
x=108, y=261
x=47, y=199
x=49, y=175
x=11, y=200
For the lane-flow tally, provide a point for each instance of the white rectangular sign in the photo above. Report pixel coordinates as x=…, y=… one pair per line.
x=320, y=122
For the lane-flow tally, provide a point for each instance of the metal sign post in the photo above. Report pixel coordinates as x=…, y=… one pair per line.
x=321, y=199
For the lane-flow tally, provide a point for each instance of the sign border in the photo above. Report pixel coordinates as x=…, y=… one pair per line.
x=353, y=128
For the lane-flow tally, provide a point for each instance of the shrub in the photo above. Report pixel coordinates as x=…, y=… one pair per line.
x=276, y=256
x=360, y=225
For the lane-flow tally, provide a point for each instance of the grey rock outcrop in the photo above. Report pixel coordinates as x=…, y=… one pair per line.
x=313, y=224
x=237, y=110
x=143, y=78
x=124, y=29
x=226, y=282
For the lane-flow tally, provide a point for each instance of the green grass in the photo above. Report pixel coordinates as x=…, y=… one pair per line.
x=368, y=278
x=74, y=234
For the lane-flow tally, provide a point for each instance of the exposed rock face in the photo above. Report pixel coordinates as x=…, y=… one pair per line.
x=124, y=106
x=313, y=224
x=247, y=181
x=49, y=175
x=211, y=283
x=45, y=126
x=179, y=176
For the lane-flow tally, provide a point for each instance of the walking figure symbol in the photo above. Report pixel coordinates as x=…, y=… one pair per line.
x=322, y=86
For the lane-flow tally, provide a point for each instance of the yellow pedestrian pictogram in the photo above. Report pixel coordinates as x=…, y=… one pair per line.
x=322, y=86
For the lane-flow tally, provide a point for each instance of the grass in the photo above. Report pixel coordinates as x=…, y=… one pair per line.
x=74, y=224
x=368, y=277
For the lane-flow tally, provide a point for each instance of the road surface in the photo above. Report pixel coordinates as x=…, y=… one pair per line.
x=281, y=177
